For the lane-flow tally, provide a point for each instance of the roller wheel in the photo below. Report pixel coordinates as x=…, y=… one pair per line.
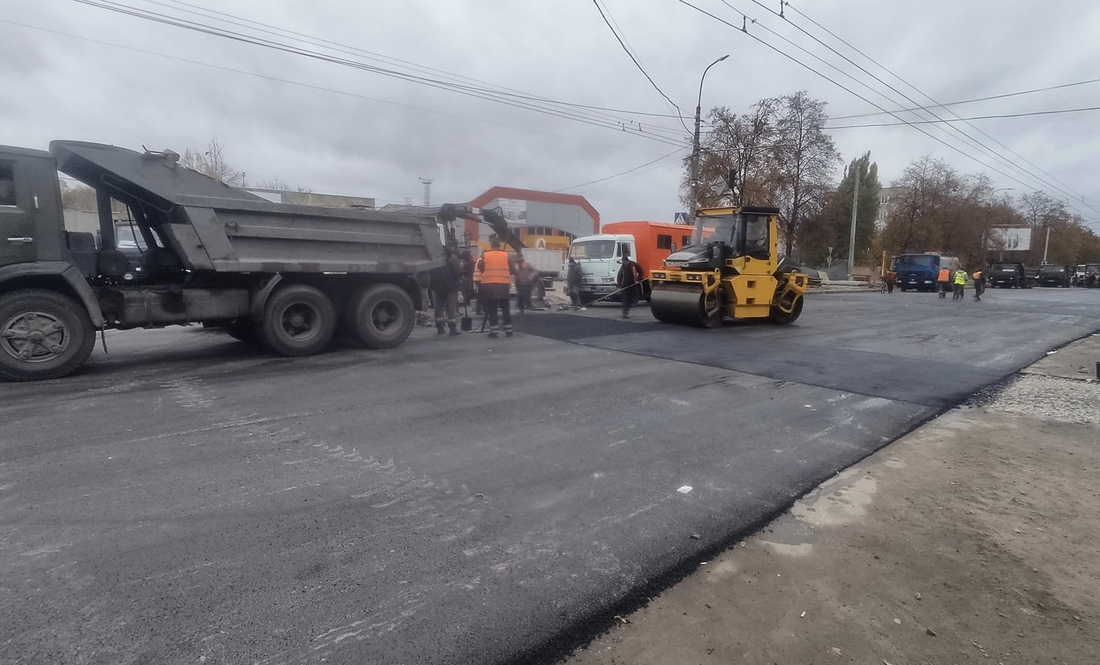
x=43, y=335
x=299, y=320
x=380, y=316
x=712, y=320
x=779, y=316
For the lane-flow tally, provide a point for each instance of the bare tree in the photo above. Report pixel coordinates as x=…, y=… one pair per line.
x=805, y=158
x=736, y=151
x=212, y=163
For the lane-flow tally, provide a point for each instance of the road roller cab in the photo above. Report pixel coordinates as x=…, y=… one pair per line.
x=732, y=268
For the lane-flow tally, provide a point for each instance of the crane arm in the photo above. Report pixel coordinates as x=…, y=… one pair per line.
x=493, y=217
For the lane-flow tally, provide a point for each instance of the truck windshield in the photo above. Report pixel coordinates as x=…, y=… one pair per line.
x=1004, y=267
x=592, y=249
x=918, y=261
x=1052, y=270
x=724, y=228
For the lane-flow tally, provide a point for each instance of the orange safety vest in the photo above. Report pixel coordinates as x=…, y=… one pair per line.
x=944, y=276
x=477, y=272
x=494, y=267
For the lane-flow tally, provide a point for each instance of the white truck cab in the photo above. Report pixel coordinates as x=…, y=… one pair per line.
x=600, y=258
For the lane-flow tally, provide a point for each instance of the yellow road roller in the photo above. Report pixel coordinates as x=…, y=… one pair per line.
x=731, y=269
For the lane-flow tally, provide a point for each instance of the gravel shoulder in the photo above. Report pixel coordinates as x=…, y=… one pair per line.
x=970, y=540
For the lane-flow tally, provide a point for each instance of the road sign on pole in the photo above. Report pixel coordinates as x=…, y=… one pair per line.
x=680, y=218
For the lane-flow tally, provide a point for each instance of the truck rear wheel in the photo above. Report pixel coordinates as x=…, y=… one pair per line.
x=299, y=320
x=43, y=335
x=380, y=316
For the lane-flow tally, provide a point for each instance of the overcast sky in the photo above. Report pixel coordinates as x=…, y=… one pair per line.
x=339, y=129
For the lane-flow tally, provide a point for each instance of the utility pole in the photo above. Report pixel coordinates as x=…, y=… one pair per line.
x=1047, y=246
x=852, y=238
x=694, y=185
x=427, y=182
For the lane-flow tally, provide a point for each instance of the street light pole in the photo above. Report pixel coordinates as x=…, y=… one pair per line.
x=695, y=142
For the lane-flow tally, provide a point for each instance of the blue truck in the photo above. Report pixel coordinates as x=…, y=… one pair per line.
x=919, y=271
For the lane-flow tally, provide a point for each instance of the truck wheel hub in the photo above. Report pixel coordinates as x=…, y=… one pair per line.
x=34, y=336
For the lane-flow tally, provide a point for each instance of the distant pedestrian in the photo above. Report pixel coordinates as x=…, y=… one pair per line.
x=496, y=275
x=573, y=278
x=629, y=281
x=979, y=285
x=525, y=282
x=943, y=280
x=889, y=279
x=446, y=280
x=960, y=285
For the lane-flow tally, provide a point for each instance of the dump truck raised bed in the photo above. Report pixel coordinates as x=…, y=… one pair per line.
x=285, y=276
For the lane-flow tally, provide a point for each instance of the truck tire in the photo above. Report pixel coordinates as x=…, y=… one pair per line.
x=43, y=335
x=380, y=316
x=299, y=320
x=242, y=331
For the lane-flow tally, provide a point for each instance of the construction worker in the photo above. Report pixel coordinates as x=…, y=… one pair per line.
x=496, y=275
x=942, y=281
x=979, y=285
x=629, y=280
x=525, y=275
x=446, y=280
x=960, y=284
x=573, y=277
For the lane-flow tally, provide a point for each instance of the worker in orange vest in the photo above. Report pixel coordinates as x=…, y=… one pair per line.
x=496, y=275
x=943, y=279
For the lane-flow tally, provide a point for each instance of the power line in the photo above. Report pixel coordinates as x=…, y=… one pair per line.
x=1071, y=192
x=430, y=82
x=309, y=86
x=616, y=175
x=633, y=59
x=970, y=101
x=744, y=30
x=967, y=138
x=390, y=59
x=976, y=117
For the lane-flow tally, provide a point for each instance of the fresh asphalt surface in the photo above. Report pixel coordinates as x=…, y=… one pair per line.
x=457, y=500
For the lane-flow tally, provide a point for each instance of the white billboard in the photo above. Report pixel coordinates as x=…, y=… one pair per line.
x=1014, y=239
x=514, y=210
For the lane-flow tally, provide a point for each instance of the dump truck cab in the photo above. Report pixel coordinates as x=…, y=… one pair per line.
x=600, y=257
x=732, y=268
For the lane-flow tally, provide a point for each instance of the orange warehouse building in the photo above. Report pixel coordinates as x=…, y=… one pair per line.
x=545, y=220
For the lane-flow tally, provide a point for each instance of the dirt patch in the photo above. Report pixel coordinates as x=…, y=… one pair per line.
x=971, y=540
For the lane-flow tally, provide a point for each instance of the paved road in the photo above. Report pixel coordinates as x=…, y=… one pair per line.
x=454, y=500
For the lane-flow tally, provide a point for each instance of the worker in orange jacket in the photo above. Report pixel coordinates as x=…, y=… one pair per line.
x=943, y=280
x=496, y=272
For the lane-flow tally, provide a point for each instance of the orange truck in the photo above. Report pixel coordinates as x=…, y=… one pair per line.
x=600, y=256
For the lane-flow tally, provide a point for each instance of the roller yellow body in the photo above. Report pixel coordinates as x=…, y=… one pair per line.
x=738, y=275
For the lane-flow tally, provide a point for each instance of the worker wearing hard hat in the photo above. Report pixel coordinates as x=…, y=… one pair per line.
x=496, y=275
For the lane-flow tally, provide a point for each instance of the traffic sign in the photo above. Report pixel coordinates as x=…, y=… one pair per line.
x=680, y=218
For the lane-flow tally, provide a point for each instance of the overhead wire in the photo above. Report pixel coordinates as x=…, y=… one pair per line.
x=246, y=22
x=311, y=86
x=622, y=173
x=634, y=59
x=947, y=126
x=470, y=91
x=850, y=91
x=970, y=101
x=975, y=117
x=1071, y=192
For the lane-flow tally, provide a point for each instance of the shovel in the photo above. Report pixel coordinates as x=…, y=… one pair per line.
x=466, y=324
